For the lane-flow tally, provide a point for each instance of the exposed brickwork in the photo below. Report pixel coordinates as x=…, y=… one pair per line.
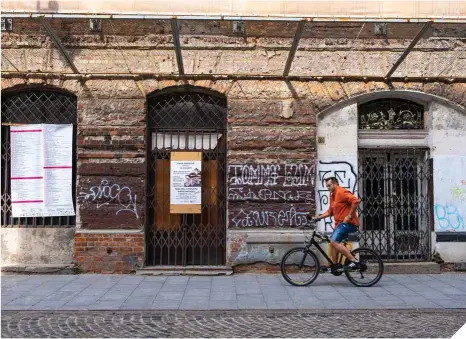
x=108, y=253
x=257, y=268
x=111, y=195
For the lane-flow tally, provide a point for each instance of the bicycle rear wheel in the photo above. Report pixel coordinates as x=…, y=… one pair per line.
x=371, y=268
x=300, y=266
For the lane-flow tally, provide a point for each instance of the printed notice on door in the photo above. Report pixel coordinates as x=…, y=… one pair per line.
x=185, y=182
x=41, y=170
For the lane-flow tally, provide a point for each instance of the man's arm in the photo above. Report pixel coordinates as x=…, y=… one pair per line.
x=326, y=214
x=350, y=198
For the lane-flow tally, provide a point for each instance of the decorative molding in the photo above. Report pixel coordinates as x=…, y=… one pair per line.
x=393, y=134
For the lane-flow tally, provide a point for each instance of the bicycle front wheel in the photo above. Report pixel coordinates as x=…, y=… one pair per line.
x=300, y=266
x=371, y=268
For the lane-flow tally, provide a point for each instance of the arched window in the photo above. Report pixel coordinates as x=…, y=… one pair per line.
x=34, y=106
x=186, y=120
x=390, y=114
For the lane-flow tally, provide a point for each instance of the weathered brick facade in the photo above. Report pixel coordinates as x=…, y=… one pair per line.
x=271, y=122
x=108, y=253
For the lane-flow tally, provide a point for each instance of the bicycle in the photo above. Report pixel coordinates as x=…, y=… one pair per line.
x=306, y=261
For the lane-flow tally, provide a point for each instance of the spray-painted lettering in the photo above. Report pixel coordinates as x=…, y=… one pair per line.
x=347, y=178
x=448, y=217
x=106, y=193
x=265, y=194
x=288, y=217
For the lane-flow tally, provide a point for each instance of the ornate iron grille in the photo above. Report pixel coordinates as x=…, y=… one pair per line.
x=186, y=120
x=391, y=114
x=394, y=188
x=34, y=106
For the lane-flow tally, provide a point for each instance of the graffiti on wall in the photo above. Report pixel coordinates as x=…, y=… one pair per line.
x=448, y=217
x=107, y=193
x=266, y=194
x=450, y=193
x=283, y=218
x=280, y=194
x=287, y=175
x=346, y=174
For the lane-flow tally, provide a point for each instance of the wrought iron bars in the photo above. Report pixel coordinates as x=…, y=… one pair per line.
x=394, y=188
x=391, y=114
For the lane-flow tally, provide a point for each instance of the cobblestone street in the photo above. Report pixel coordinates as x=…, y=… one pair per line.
x=325, y=323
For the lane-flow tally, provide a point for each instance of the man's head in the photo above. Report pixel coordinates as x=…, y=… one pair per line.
x=331, y=183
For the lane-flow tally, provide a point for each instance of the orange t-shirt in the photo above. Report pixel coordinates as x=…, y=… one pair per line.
x=340, y=205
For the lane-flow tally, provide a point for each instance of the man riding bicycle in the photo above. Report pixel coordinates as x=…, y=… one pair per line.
x=343, y=206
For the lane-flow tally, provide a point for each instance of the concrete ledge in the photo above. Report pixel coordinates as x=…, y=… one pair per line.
x=185, y=270
x=412, y=268
x=38, y=269
x=109, y=231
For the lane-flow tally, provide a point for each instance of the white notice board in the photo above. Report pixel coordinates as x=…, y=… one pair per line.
x=41, y=170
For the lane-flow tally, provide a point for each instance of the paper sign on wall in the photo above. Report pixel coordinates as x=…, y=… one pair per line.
x=185, y=182
x=41, y=170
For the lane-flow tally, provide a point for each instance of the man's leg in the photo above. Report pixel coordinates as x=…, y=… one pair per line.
x=340, y=248
x=338, y=235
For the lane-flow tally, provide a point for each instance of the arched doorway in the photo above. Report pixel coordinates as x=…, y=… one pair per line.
x=186, y=120
x=394, y=174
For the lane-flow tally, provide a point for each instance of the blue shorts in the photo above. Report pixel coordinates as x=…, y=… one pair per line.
x=342, y=232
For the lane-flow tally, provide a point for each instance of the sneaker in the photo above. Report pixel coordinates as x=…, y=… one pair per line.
x=353, y=265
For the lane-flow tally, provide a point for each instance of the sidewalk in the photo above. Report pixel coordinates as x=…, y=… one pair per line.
x=240, y=291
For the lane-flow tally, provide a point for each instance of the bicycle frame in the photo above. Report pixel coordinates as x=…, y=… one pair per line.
x=316, y=244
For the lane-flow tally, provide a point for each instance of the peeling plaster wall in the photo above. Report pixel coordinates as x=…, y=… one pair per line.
x=37, y=246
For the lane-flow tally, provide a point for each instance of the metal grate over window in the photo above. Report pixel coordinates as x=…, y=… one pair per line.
x=44, y=106
x=191, y=110
x=386, y=114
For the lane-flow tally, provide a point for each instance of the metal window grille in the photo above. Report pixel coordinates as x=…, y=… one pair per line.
x=186, y=120
x=395, y=209
x=391, y=114
x=7, y=24
x=34, y=106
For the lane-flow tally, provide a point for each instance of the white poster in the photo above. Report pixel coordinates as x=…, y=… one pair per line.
x=185, y=182
x=58, y=170
x=41, y=170
x=27, y=173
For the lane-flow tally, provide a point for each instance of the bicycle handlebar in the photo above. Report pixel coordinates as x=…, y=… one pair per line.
x=312, y=225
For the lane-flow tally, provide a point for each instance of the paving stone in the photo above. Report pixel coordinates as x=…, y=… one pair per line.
x=279, y=304
x=170, y=296
x=173, y=288
x=194, y=303
x=197, y=292
x=223, y=304
x=251, y=301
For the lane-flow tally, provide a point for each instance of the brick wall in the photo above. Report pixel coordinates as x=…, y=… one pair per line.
x=108, y=253
x=271, y=123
